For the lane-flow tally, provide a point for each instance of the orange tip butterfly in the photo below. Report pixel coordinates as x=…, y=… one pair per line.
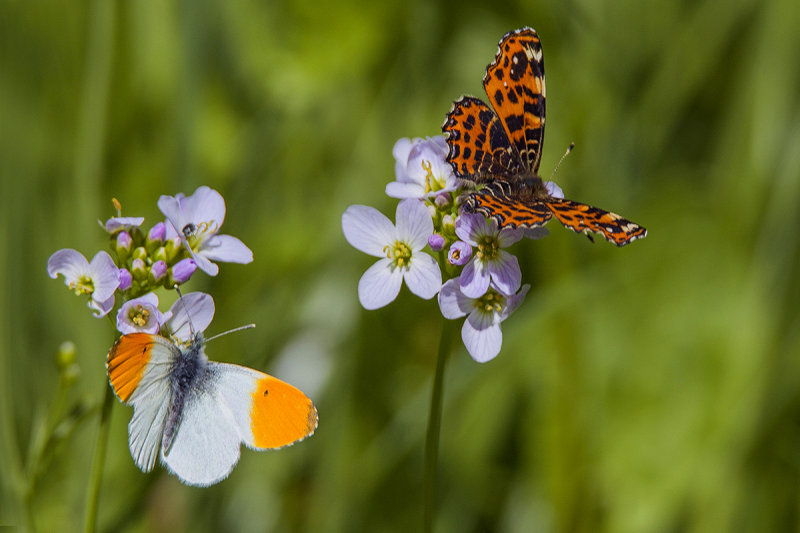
x=194, y=413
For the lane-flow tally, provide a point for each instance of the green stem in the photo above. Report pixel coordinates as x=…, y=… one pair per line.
x=434, y=425
x=99, y=459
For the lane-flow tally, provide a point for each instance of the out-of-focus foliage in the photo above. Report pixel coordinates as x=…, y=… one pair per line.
x=650, y=388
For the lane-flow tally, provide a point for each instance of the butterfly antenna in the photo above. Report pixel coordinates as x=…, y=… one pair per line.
x=563, y=157
x=189, y=318
x=240, y=328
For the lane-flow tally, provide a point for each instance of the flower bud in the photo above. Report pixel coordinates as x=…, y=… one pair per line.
x=459, y=253
x=139, y=270
x=443, y=199
x=159, y=254
x=157, y=233
x=125, y=279
x=65, y=355
x=65, y=359
x=448, y=224
x=173, y=247
x=123, y=245
x=157, y=271
x=436, y=242
x=182, y=271
x=139, y=253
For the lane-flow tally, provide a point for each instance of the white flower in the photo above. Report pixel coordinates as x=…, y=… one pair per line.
x=400, y=249
x=481, y=331
x=421, y=169
x=196, y=219
x=140, y=315
x=99, y=279
x=490, y=263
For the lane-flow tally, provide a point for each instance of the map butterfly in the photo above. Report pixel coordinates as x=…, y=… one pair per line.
x=499, y=148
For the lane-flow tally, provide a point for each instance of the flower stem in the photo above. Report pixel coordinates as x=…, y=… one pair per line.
x=434, y=425
x=99, y=459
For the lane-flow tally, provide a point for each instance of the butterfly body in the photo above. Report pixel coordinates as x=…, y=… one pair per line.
x=194, y=414
x=499, y=147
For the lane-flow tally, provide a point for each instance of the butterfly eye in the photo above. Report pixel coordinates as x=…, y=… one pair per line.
x=189, y=230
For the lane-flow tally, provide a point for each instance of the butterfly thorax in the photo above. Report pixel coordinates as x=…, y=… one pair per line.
x=530, y=186
x=188, y=370
x=525, y=186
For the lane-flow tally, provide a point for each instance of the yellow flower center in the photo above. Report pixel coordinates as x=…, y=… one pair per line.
x=399, y=253
x=84, y=285
x=488, y=248
x=491, y=302
x=138, y=315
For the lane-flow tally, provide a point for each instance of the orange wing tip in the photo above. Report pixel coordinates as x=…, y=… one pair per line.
x=280, y=415
x=126, y=363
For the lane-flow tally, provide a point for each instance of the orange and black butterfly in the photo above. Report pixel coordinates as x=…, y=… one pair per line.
x=500, y=147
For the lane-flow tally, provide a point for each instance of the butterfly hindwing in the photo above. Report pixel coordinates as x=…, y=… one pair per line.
x=478, y=143
x=235, y=405
x=583, y=218
x=514, y=83
x=138, y=368
x=498, y=202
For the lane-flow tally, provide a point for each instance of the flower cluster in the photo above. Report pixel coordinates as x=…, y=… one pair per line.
x=166, y=255
x=483, y=280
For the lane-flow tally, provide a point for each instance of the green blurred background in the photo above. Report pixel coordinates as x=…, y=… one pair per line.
x=654, y=388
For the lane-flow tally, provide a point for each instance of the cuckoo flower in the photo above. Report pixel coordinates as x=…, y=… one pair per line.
x=420, y=168
x=399, y=247
x=481, y=330
x=99, y=279
x=140, y=315
x=490, y=263
x=196, y=220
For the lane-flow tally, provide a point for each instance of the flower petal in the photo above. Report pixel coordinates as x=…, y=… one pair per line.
x=474, y=279
x=195, y=308
x=149, y=305
x=452, y=301
x=202, y=262
x=423, y=276
x=397, y=189
x=105, y=276
x=553, y=189
x=482, y=338
x=414, y=224
x=226, y=248
x=367, y=229
x=401, y=150
x=470, y=227
x=509, y=236
x=204, y=205
x=101, y=308
x=379, y=285
x=514, y=301
x=68, y=262
x=118, y=223
x=505, y=272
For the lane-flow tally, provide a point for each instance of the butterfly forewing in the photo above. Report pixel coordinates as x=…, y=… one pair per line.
x=478, y=143
x=582, y=218
x=514, y=83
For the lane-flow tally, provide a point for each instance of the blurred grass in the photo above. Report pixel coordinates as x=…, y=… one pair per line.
x=650, y=388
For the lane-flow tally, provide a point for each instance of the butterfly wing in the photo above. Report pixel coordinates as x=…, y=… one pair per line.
x=582, y=218
x=514, y=83
x=498, y=202
x=138, y=367
x=235, y=405
x=479, y=146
